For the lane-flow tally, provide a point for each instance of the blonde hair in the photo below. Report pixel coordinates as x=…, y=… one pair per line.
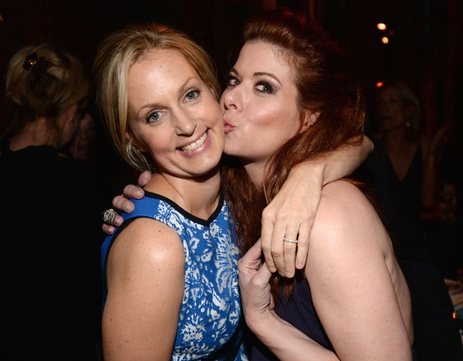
x=410, y=101
x=114, y=58
x=43, y=81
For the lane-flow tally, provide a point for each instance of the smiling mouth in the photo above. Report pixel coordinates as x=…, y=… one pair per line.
x=195, y=145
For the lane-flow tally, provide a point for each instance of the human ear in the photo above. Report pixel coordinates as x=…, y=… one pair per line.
x=135, y=142
x=310, y=117
x=71, y=113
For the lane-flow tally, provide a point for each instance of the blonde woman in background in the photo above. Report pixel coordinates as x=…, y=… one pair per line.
x=49, y=281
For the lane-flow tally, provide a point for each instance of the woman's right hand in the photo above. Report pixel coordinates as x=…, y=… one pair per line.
x=123, y=204
x=255, y=290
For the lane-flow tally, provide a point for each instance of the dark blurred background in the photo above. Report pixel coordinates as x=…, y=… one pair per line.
x=425, y=46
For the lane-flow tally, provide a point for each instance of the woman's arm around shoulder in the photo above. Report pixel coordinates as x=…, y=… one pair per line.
x=292, y=212
x=358, y=289
x=145, y=274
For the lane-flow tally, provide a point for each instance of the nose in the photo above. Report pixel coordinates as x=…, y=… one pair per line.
x=185, y=123
x=83, y=133
x=230, y=99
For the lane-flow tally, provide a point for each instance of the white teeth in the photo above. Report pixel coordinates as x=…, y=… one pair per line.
x=196, y=144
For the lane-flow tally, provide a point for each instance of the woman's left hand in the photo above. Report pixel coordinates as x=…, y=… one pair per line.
x=254, y=278
x=291, y=214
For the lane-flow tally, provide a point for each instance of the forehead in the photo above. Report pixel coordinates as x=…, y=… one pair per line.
x=159, y=70
x=161, y=60
x=260, y=56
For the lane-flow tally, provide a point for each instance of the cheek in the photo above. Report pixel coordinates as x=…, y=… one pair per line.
x=139, y=139
x=283, y=121
x=266, y=116
x=210, y=109
x=215, y=115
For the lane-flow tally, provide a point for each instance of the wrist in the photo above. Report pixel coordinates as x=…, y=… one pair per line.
x=260, y=322
x=315, y=169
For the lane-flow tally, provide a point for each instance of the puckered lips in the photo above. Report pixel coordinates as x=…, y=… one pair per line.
x=228, y=126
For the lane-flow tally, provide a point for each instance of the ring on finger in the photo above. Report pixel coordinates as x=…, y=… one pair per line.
x=108, y=216
x=289, y=240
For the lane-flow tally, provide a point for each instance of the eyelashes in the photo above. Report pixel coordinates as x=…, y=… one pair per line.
x=155, y=116
x=261, y=86
x=265, y=87
x=231, y=80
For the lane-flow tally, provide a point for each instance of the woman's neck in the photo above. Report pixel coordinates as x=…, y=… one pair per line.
x=198, y=196
x=34, y=133
x=395, y=138
x=255, y=172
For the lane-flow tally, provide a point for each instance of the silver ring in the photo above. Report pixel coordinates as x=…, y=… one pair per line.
x=108, y=216
x=289, y=240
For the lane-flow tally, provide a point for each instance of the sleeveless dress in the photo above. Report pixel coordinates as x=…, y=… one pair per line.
x=299, y=311
x=412, y=183
x=210, y=320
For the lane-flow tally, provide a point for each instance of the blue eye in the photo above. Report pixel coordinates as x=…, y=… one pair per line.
x=192, y=95
x=153, y=117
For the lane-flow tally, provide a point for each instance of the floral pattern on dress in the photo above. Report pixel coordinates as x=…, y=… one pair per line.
x=210, y=315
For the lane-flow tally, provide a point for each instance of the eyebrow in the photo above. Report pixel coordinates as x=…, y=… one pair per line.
x=258, y=74
x=182, y=89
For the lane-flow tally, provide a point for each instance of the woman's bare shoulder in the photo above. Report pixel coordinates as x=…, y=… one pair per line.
x=345, y=213
x=343, y=197
x=149, y=243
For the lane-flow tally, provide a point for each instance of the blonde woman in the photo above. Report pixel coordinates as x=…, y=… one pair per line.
x=170, y=270
x=49, y=276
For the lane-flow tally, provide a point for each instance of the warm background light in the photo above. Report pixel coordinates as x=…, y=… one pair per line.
x=385, y=40
x=381, y=26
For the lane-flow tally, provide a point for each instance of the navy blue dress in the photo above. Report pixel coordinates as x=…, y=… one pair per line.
x=299, y=311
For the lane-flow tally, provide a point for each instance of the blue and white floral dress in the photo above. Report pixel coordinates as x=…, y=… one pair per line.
x=210, y=321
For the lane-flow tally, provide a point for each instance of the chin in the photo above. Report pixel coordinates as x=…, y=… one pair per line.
x=230, y=150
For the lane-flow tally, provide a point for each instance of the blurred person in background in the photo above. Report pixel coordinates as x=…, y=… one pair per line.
x=49, y=275
x=86, y=144
x=402, y=173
